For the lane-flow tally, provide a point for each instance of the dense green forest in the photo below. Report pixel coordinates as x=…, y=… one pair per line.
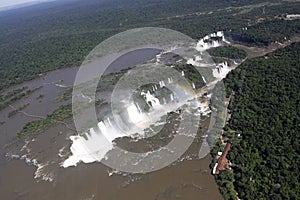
x=228, y=52
x=60, y=34
x=266, y=113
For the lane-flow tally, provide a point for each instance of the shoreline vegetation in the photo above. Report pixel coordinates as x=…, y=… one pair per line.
x=62, y=113
x=15, y=111
x=40, y=97
x=15, y=96
x=263, y=128
x=59, y=115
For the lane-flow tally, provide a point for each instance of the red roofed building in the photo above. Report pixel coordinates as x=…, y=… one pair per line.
x=222, y=161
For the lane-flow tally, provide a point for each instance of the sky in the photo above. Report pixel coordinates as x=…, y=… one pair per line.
x=11, y=3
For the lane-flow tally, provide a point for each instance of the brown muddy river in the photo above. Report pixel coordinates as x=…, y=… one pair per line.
x=30, y=168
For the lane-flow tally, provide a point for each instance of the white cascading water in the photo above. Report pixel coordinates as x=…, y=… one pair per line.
x=172, y=97
x=134, y=114
x=162, y=84
x=221, y=70
x=193, y=85
x=80, y=153
x=182, y=73
x=154, y=88
x=150, y=99
x=93, y=145
x=209, y=41
x=164, y=101
x=204, y=79
x=195, y=61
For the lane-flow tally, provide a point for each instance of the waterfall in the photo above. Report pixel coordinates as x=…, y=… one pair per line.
x=134, y=115
x=204, y=79
x=209, y=41
x=220, y=34
x=108, y=130
x=91, y=154
x=198, y=58
x=128, y=120
x=102, y=127
x=150, y=99
x=221, y=70
x=153, y=88
x=225, y=64
x=164, y=101
x=193, y=85
x=139, y=109
x=172, y=97
x=162, y=84
x=158, y=57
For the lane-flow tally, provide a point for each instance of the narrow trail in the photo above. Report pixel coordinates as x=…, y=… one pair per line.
x=42, y=117
x=67, y=125
x=254, y=52
x=26, y=114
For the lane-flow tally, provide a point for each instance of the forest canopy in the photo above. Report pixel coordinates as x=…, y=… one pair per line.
x=266, y=113
x=49, y=36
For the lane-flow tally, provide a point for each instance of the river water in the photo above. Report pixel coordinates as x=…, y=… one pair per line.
x=38, y=175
